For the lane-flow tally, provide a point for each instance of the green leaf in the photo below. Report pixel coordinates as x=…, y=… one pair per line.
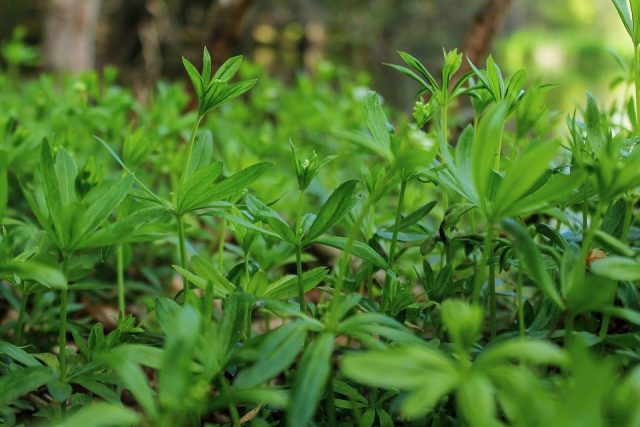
x=121, y=231
x=135, y=380
x=21, y=381
x=406, y=368
x=32, y=270
x=625, y=16
x=532, y=262
x=228, y=69
x=476, y=402
x=627, y=314
x=101, y=414
x=463, y=322
x=51, y=190
x=202, y=153
x=275, y=353
x=198, y=187
x=417, y=215
x=377, y=123
x=4, y=185
x=195, y=78
x=522, y=174
x=359, y=249
x=265, y=214
x=530, y=351
x=287, y=287
x=239, y=181
x=66, y=172
x=311, y=378
x=617, y=268
x=417, y=65
x=105, y=198
x=338, y=204
x=486, y=143
x=18, y=354
x=613, y=244
x=175, y=377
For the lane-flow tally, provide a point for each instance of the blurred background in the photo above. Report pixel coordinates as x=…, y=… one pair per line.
x=565, y=42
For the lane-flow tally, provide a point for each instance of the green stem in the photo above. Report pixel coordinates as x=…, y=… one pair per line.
x=492, y=299
x=636, y=68
x=484, y=260
x=183, y=256
x=21, y=314
x=233, y=411
x=299, y=274
x=190, y=149
x=223, y=228
x=624, y=236
x=386, y=291
x=299, y=252
x=568, y=329
x=330, y=402
x=521, y=328
x=120, y=273
x=63, y=320
x=396, y=225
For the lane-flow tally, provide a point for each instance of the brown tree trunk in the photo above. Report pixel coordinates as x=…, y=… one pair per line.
x=225, y=22
x=485, y=25
x=70, y=34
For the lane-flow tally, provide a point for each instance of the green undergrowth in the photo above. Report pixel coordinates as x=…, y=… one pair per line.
x=245, y=252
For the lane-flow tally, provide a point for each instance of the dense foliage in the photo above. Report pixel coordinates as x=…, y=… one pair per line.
x=475, y=266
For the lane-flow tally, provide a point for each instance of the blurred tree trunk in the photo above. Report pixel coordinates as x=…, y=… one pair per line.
x=224, y=25
x=483, y=29
x=70, y=34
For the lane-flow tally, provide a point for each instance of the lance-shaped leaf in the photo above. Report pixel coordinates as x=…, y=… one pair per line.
x=32, y=270
x=21, y=381
x=310, y=381
x=209, y=193
x=336, y=206
x=287, y=287
x=359, y=249
x=123, y=230
x=102, y=200
x=51, y=191
x=486, y=143
x=378, y=124
x=531, y=260
x=275, y=353
x=266, y=214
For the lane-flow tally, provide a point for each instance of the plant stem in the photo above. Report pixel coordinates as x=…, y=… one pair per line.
x=183, y=256
x=396, y=225
x=120, y=273
x=233, y=411
x=21, y=314
x=484, y=260
x=223, y=228
x=63, y=320
x=330, y=402
x=299, y=274
x=492, y=298
x=386, y=291
x=636, y=78
x=624, y=236
x=568, y=329
x=521, y=328
x=192, y=139
x=299, y=252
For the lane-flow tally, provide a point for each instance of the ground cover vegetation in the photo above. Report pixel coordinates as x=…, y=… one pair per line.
x=250, y=253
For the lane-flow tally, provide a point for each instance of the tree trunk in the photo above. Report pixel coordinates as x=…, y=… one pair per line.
x=484, y=27
x=70, y=33
x=225, y=23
